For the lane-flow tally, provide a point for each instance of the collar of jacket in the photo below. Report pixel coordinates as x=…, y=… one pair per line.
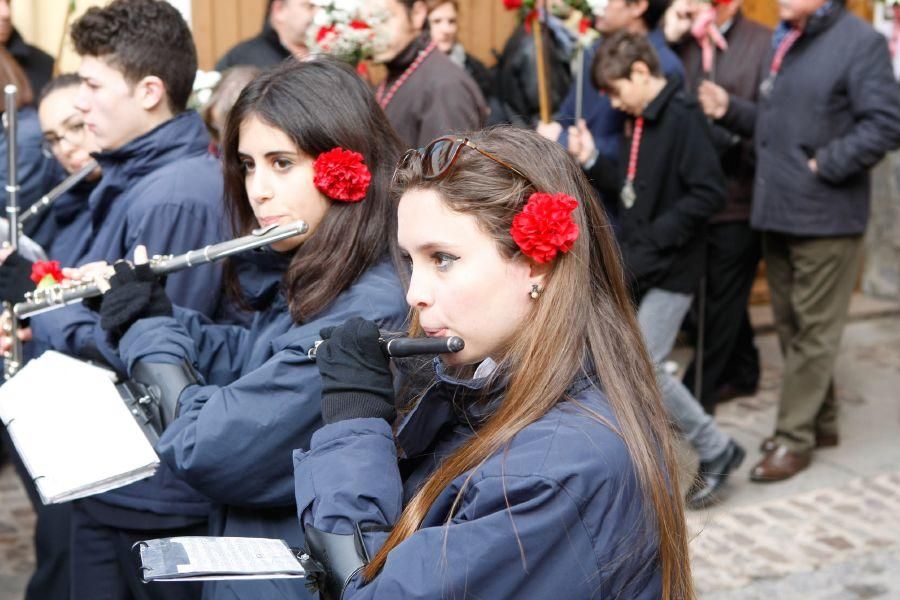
x=651, y=113
x=821, y=20
x=450, y=401
x=271, y=38
x=73, y=202
x=18, y=47
x=261, y=275
x=181, y=136
x=406, y=57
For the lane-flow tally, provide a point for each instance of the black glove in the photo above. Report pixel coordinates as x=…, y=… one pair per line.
x=356, y=375
x=15, y=278
x=135, y=293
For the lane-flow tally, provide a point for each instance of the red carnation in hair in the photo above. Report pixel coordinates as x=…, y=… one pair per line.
x=46, y=268
x=342, y=175
x=545, y=226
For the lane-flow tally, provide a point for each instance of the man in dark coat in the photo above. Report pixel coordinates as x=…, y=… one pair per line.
x=829, y=110
x=730, y=358
x=37, y=64
x=426, y=95
x=283, y=35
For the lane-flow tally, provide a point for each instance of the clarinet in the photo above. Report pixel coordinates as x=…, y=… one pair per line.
x=59, y=295
x=12, y=359
x=50, y=197
x=402, y=347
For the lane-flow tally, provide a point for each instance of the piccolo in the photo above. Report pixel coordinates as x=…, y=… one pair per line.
x=59, y=295
x=53, y=195
x=401, y=347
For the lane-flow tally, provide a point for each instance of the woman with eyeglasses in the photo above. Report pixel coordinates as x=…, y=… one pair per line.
x=538, y=461
x=247, y=396
x=63, y=235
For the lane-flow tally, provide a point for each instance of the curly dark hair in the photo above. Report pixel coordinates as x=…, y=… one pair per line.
x=141, y=38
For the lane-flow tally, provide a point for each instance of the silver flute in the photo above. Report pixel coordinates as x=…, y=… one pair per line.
x=47, y=200
x=59, y=295
x=12, y=358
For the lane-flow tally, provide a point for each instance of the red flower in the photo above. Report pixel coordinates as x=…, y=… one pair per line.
x=529, y=19
x=584, y=25
x=545, y=226
x=512, y=4
x=44, y=268
x=324, y=32
x=357, y=24
x=342, y=175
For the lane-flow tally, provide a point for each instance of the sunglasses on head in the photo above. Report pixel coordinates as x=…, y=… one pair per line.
x=439, y=156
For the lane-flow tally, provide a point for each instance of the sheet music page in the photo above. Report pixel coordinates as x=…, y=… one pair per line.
x=210, y=556
x=72, y=428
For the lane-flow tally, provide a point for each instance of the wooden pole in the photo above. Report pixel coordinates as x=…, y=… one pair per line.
x=70, y=10
x=543, y=94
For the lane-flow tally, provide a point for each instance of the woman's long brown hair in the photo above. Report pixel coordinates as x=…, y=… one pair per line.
x=584, y=316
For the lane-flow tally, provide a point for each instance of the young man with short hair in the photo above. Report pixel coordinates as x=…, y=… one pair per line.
x=426, y=94
x=162, y=189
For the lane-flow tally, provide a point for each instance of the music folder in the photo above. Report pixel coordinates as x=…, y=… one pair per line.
x=214, y=558
x=72, y=430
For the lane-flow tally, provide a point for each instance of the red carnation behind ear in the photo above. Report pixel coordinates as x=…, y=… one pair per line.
x=342, y=175
x=545, y=226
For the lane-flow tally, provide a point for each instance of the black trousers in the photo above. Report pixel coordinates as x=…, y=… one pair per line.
x=50, y=580
x=104, y=567
x=729, y=354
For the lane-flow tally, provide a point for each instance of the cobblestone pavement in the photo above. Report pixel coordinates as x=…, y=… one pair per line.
x=831, y=533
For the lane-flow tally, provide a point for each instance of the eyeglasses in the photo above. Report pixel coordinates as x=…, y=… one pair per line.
x=73, y=133
x=439, y=156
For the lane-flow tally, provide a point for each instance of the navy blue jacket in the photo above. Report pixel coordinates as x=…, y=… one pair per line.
x=65, y=232
x=260, y=398
x=162, y=190
x=36, y=173
x=557, y=515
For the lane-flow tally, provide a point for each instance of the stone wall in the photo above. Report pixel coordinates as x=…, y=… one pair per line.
x=881, y=273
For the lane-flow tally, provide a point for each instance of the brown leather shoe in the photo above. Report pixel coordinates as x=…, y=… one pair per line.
x=823, y=440
x=779, y=464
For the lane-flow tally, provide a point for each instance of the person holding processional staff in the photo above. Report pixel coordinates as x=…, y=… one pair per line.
x=537, y=462
x=289, y=152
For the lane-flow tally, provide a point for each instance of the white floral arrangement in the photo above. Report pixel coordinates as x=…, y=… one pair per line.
x=598, y=7
x=344, y=29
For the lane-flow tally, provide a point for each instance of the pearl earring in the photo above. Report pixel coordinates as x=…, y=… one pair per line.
x=535, y=291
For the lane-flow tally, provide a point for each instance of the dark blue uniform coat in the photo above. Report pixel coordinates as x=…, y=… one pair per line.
x=558, y=515
x=162, y=190
x=260, y=398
